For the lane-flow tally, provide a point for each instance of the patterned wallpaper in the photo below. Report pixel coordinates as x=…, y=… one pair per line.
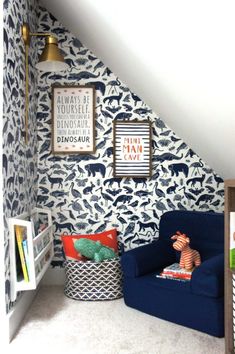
x=83, y=199
x=19, y=160
x=80, y=189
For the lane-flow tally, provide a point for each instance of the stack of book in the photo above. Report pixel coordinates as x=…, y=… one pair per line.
x=174, y=271
x=21, y=239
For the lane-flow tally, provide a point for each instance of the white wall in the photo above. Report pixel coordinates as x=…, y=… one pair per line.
x=187, y=72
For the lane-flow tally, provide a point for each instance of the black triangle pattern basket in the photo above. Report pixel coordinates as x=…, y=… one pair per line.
x=93, y=281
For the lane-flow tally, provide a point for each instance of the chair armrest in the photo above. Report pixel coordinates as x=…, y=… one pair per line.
x=208, y=278
x=147, y=258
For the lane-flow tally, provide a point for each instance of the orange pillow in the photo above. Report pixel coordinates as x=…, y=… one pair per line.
x=107, y=238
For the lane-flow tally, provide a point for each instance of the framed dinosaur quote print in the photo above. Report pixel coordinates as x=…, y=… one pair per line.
x=132, y=148
x=73, y=128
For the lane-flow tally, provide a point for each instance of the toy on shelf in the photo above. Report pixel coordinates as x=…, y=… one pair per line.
x=94, y=250
x=188, y=257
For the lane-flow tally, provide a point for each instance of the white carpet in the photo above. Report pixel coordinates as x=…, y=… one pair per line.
x=57, y=324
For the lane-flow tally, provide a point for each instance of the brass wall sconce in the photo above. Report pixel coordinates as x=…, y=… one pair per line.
x=51, y=59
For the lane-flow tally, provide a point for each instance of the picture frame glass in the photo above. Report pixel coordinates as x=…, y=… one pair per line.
x=73, y=128
x=132, y=149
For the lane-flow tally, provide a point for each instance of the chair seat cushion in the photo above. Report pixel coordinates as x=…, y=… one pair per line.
x=170, y=284
x=204, y=282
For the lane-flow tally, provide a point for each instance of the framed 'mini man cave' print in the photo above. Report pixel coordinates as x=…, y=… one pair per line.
x=132, y=148
x=73, y=129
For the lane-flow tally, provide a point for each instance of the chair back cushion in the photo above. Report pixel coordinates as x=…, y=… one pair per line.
x=205, y=230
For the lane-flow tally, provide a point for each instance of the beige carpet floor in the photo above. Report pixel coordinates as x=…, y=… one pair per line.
x=57, y=324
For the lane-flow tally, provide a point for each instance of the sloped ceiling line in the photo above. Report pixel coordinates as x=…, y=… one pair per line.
x=177, y=56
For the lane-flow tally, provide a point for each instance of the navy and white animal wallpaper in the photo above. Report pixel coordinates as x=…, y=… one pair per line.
x=80, y=189
x=19, y=160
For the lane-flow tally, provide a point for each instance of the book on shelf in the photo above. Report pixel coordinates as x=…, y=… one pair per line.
x=26, y=253
x=20, y=236
x=232, y=240
x=39, y=222
x=35, y=223
x=19, y=270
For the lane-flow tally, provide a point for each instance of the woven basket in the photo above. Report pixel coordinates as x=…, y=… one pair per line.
x=92, y=280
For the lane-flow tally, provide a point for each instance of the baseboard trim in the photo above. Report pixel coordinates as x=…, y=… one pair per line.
x=18, y=312
x=54, y=276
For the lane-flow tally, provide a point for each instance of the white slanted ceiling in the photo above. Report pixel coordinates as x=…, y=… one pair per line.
x=178, y=56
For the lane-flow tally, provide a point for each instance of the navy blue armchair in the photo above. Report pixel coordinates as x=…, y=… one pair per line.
x=198, y=303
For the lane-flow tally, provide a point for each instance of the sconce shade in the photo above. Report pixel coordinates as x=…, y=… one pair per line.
x=51, y=58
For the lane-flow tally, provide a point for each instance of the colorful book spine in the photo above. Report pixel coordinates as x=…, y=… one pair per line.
x=175, y=268
x=177, y=275
x=26, y=254
x=19, y=230
x=172, y=278
x=186, y=275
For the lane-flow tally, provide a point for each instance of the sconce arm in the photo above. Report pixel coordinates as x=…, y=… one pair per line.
x=26, y=34
x=40, y=34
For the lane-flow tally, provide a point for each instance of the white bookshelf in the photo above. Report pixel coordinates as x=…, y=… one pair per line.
x=40, y=251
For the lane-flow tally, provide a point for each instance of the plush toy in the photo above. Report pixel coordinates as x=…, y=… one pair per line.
x=94, y=250
x=188, y=257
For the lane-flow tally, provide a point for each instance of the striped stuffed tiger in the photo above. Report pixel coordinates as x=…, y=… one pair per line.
x=188, y=257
